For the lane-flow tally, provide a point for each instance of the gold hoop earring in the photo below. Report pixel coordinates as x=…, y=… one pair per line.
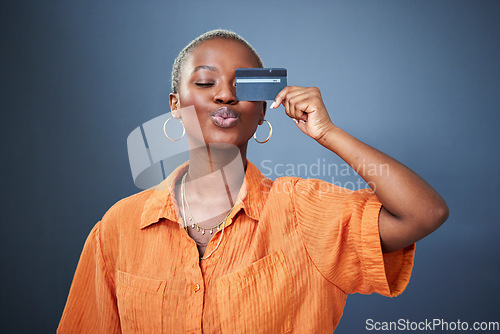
x=268, y=137
x=165, y=129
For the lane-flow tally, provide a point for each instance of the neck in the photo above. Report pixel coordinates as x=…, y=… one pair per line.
x=216, y=171
x=214, y=157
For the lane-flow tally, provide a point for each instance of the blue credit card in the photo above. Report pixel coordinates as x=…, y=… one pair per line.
x=259, y=84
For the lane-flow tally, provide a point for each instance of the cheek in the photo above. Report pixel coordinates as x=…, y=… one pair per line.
x=255, y=110
x=198, y=101
x=187, y=98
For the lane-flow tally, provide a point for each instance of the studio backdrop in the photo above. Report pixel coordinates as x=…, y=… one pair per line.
x=418, y=80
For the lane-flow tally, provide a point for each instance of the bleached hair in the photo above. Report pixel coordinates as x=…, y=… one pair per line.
x=212, y=34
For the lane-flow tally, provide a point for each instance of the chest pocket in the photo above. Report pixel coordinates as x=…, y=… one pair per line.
x=140, y=302
x=257, y=298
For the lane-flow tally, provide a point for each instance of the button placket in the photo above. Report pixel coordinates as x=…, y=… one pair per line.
x=195, y=289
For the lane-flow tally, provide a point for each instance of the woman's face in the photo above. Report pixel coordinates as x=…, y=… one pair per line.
x=208, y=83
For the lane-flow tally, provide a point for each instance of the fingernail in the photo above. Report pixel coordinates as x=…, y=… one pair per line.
x=296, y=122
x=302, y=121
x=273, y=105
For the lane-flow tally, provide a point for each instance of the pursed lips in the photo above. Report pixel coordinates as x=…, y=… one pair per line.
x=224, y=117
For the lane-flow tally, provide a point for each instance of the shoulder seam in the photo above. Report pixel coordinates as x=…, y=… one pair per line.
x=99, y=249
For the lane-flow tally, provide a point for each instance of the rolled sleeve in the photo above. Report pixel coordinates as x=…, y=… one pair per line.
x=339, y=228
x=387, y=274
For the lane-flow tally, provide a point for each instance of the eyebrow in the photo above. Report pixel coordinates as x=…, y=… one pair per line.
x=205, y=67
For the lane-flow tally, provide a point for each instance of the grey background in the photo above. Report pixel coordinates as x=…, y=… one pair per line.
x=417, y=79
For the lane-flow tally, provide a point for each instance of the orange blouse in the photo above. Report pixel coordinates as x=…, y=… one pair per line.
x=291, y=252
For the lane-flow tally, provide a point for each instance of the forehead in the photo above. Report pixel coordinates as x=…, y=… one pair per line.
x=225, y=54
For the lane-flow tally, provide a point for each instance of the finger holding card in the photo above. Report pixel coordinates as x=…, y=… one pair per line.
x=305, y=105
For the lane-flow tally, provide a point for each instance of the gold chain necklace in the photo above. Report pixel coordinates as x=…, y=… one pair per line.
x=193, y=224
x=191, y=221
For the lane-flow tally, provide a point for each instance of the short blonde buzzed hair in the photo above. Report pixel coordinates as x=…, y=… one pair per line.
x=212, y=34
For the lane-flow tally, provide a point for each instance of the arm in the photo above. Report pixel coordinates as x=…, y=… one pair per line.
x=411, y=208
x=91, y=306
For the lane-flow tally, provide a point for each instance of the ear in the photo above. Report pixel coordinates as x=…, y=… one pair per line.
x=263, y=113
x=174, y=104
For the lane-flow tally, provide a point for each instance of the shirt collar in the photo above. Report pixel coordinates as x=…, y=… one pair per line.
x=251, y=198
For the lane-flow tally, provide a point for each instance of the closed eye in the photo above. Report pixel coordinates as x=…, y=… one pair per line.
x=204, y=84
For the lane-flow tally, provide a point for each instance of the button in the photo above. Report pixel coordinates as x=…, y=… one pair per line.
x=196, y=287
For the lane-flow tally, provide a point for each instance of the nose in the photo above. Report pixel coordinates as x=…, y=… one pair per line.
x=226, y=94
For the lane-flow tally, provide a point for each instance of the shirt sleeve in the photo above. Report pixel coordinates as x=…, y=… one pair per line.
x=91, y=305
x=339, y=228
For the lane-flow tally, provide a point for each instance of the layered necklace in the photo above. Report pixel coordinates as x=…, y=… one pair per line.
x=185, y=205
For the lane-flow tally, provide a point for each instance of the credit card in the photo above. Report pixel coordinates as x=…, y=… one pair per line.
x=259, y=84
